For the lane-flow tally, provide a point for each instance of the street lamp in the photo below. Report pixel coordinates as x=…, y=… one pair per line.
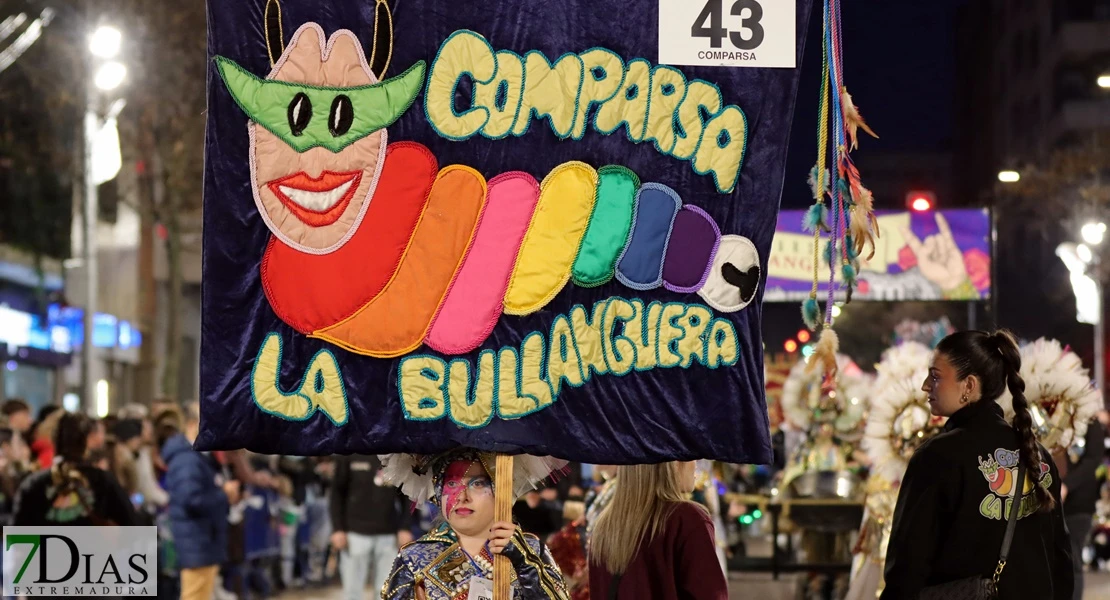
x=1093, y=232
x=101, y=165
x=109, y=76
x=1009, y=176
x=105, y=42
x=1084, y=264
x=1104, y=81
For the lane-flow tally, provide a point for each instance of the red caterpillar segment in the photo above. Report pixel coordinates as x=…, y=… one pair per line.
x=313, y=291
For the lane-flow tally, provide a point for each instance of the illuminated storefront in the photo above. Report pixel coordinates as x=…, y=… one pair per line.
x=36, y=349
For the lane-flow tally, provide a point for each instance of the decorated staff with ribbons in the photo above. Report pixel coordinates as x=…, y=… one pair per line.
x=897, y=423
x=455, y=560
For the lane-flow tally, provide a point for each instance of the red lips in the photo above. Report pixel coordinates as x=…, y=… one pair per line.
x=320, y=201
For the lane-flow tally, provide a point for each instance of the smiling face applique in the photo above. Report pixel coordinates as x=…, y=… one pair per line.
x=317, y=135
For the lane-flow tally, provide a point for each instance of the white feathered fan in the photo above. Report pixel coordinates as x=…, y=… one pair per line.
x=899, y=419
x=1060, y=393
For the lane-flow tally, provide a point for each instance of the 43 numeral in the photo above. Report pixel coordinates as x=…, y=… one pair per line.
x=713, y=13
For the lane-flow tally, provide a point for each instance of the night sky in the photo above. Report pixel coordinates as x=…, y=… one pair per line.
x=900, y=67
x=902, y=82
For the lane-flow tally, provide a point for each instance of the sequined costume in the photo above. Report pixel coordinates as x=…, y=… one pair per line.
x=438, y=562
x=570, y=544
x=568, y=548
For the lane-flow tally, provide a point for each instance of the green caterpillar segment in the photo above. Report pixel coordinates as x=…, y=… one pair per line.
x=609, y=226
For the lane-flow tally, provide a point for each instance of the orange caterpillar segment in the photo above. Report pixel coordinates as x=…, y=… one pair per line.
x=397, y=320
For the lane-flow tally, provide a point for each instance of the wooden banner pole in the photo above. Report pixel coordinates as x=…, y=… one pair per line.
x=503, y=511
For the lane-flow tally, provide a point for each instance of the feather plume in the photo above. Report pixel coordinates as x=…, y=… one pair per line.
x=861, y=227
x=811, y=313
x=409, y=472
x=853, y=121
x=824, y=354
x=818, y=188
x=1057, y=383
x=816, y=216
x=849, y=273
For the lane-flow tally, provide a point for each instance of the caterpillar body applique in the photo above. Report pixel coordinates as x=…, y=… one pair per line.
x=378, y=249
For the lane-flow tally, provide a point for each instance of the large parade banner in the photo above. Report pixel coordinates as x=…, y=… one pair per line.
x=943, y=255
x=504, y=226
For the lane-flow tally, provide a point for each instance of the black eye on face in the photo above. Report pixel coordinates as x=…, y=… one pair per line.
x=341, y=116
x=300, y=113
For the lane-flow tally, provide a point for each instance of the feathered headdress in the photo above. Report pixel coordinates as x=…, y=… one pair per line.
x=1060, y=393
x=420, y=476
x=808, y=397
x=899, y=419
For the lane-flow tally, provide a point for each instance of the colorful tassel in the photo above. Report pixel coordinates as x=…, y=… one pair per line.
x=849, y=273
x=818, y=187
x=824, y=354
x=849, y=247
x=845, y=191
x=853, y=121
x=816, y=216
x=811, y=313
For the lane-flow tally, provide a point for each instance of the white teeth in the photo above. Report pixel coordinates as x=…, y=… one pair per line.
x=316, y=201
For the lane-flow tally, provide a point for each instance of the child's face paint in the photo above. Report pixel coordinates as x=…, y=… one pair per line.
x=467, y=498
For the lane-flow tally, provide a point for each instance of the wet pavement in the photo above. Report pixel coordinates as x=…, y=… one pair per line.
x=742, y=587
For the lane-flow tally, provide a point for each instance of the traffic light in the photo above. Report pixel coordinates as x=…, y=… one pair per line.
x=921, y=201
x=803, y=336
x=790, y=346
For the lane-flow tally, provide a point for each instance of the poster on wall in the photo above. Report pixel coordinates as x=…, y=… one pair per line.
x=941, y=255
x=501, y=227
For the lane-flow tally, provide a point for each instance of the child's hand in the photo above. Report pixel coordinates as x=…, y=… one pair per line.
x=500, y=536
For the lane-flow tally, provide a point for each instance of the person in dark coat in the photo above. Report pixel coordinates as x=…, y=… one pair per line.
x=199, y=500
x=72, y=492
x=370, y=523
x=1080, y=493
x=960, y=486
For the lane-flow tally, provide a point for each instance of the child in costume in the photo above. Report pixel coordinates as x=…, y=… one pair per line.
x=458, y=554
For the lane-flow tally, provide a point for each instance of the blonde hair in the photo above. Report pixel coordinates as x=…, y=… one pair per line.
x=644, y=499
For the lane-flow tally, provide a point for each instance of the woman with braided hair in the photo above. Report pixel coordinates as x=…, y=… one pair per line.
x=72, y=491
x=958, y=490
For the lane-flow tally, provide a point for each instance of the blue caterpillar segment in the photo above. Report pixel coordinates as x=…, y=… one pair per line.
x=641, y=265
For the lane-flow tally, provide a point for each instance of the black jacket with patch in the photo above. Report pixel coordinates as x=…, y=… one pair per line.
x=951, y=515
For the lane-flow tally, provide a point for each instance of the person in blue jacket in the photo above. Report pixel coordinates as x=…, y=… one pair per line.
x=198, y=509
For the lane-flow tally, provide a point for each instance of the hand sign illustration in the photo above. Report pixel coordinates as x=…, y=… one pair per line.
x=939, y=258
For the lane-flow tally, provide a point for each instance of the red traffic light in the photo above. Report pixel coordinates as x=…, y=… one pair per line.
x=921, y=201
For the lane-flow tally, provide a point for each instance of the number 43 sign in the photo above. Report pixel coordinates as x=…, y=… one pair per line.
x=727, y=33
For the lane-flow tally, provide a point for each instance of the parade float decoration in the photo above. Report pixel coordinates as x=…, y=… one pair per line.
x=898, y=422
x=830, y=412
x=427, y=229
x=1061, y=395
x=776, y=369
